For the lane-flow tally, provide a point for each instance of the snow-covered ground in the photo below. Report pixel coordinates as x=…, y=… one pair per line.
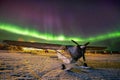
x=20, y=66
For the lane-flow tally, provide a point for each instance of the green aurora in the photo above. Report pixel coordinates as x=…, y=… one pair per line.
x=50, y=37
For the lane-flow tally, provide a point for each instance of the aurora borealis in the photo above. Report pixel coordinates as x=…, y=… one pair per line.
x=37, y=34
x=60, y=20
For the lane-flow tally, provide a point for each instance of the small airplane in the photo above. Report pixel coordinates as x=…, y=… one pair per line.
x=75, y=52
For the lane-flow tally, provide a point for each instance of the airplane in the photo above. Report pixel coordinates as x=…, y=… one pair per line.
x=75, y=52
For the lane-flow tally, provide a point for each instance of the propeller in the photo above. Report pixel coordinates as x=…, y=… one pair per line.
x=78, y=44
x=75, y=42
x=86, y=43
x=85, y=64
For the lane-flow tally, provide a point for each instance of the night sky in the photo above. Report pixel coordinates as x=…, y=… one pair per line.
x=82, y=19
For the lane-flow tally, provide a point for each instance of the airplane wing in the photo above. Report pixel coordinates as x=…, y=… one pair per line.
x=46, y=45
x=33, y=44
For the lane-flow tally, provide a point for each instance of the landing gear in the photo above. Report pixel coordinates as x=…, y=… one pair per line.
x=63, y=67
x=85, y=65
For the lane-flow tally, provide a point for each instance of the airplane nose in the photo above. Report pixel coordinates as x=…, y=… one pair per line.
x=82, y=47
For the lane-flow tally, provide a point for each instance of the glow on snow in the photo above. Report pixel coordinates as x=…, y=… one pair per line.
x=47, y=36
